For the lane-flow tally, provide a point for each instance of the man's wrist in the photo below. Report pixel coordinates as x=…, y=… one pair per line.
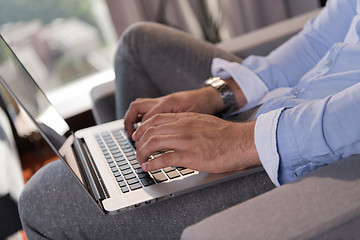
x=238, y=93
x=229, y=93
x=214, y=100
x=225, y=92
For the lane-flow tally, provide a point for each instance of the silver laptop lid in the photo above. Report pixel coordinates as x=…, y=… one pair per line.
x=19, y=83
x=17, y=79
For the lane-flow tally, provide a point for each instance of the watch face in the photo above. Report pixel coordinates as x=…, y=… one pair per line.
x=216, y=82
x=209, y=81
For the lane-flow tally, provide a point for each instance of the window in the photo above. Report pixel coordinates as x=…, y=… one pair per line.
x=59, y=41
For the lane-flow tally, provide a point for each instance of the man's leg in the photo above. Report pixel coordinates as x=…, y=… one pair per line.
x=154, y=60
x=54, y=205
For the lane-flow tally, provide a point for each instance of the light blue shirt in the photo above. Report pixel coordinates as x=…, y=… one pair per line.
x=309, y=89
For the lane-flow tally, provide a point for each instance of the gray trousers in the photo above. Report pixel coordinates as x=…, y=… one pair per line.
x=152, y=60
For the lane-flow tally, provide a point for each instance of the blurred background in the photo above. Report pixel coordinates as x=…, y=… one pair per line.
x=63, y=41
x=68, y=47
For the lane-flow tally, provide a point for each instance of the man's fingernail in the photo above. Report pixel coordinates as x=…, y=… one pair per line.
x=133, y=136
x=144, y=166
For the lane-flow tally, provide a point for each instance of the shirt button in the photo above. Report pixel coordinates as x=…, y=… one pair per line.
x=296, y=91
x=329, y=63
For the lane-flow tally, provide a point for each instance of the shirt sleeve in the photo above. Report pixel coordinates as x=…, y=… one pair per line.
x=295, y=141
x=265, y=142
x=252, y=86
x=285, y=66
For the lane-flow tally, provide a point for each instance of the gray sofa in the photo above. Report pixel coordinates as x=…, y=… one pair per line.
x=322, y=205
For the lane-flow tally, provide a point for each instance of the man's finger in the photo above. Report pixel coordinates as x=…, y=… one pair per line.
x=157, y=143
x=170, y=159
x=160, y=107
x=168, y=129
x=157, y=120
x=136, y=109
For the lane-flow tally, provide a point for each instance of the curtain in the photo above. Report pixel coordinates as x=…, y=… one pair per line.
x=212, y=20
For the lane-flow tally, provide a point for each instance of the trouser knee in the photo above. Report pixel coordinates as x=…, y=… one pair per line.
x=141, y=30
x=25, y=208
x=136, y=35
x=37, y=193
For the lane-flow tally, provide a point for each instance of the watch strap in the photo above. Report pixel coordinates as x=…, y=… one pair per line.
x=225, y=92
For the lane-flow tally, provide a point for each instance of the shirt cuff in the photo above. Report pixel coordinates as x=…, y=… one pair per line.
x=251, y=84
x=265, y=142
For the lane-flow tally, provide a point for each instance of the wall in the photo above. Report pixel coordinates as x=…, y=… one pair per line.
x=296, y=7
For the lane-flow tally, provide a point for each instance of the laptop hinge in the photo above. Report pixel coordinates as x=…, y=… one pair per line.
x=89, y=171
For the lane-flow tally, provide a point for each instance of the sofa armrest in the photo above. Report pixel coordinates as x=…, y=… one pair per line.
x=323, y=205
x=103, y=102
x=262, y=41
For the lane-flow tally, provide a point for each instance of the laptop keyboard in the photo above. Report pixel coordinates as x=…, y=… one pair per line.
x=119, y=152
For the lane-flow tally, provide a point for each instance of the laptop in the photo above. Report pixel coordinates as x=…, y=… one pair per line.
x=101, y=157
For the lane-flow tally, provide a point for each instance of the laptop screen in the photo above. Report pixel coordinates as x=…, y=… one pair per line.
x=30, y=97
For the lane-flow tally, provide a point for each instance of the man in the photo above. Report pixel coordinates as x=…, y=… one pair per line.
x=297, y=86
x=304, y=105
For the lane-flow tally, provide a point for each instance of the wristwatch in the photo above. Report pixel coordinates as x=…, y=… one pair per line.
x=225, y=91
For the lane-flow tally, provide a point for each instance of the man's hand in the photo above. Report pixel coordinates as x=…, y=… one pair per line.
x=199, y=141
x=203, y=100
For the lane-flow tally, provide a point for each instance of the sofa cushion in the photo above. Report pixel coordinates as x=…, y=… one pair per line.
x=322, y=205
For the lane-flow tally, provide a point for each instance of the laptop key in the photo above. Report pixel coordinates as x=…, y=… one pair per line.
x=186, y=171
x=133, y=162
x=119, y=178
x=123, y=144
x=147, y=181
x=121, y=140
x=137, y=166
x=127, y=171
x=135, y=186
x=118, y=155
x=173, y=174
x=121, y=158
x=132, y=181
x=139, y=170
x=129, y=176
x=115, y=150
x=143, y=175
x=122, y=184
x=124, y=167
x=111, y=145
x=122, y=163
x=124, y=189
x=114, y=147
x=126, y=147
x=130, y=153
x=160, y=177
x=169, y=169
